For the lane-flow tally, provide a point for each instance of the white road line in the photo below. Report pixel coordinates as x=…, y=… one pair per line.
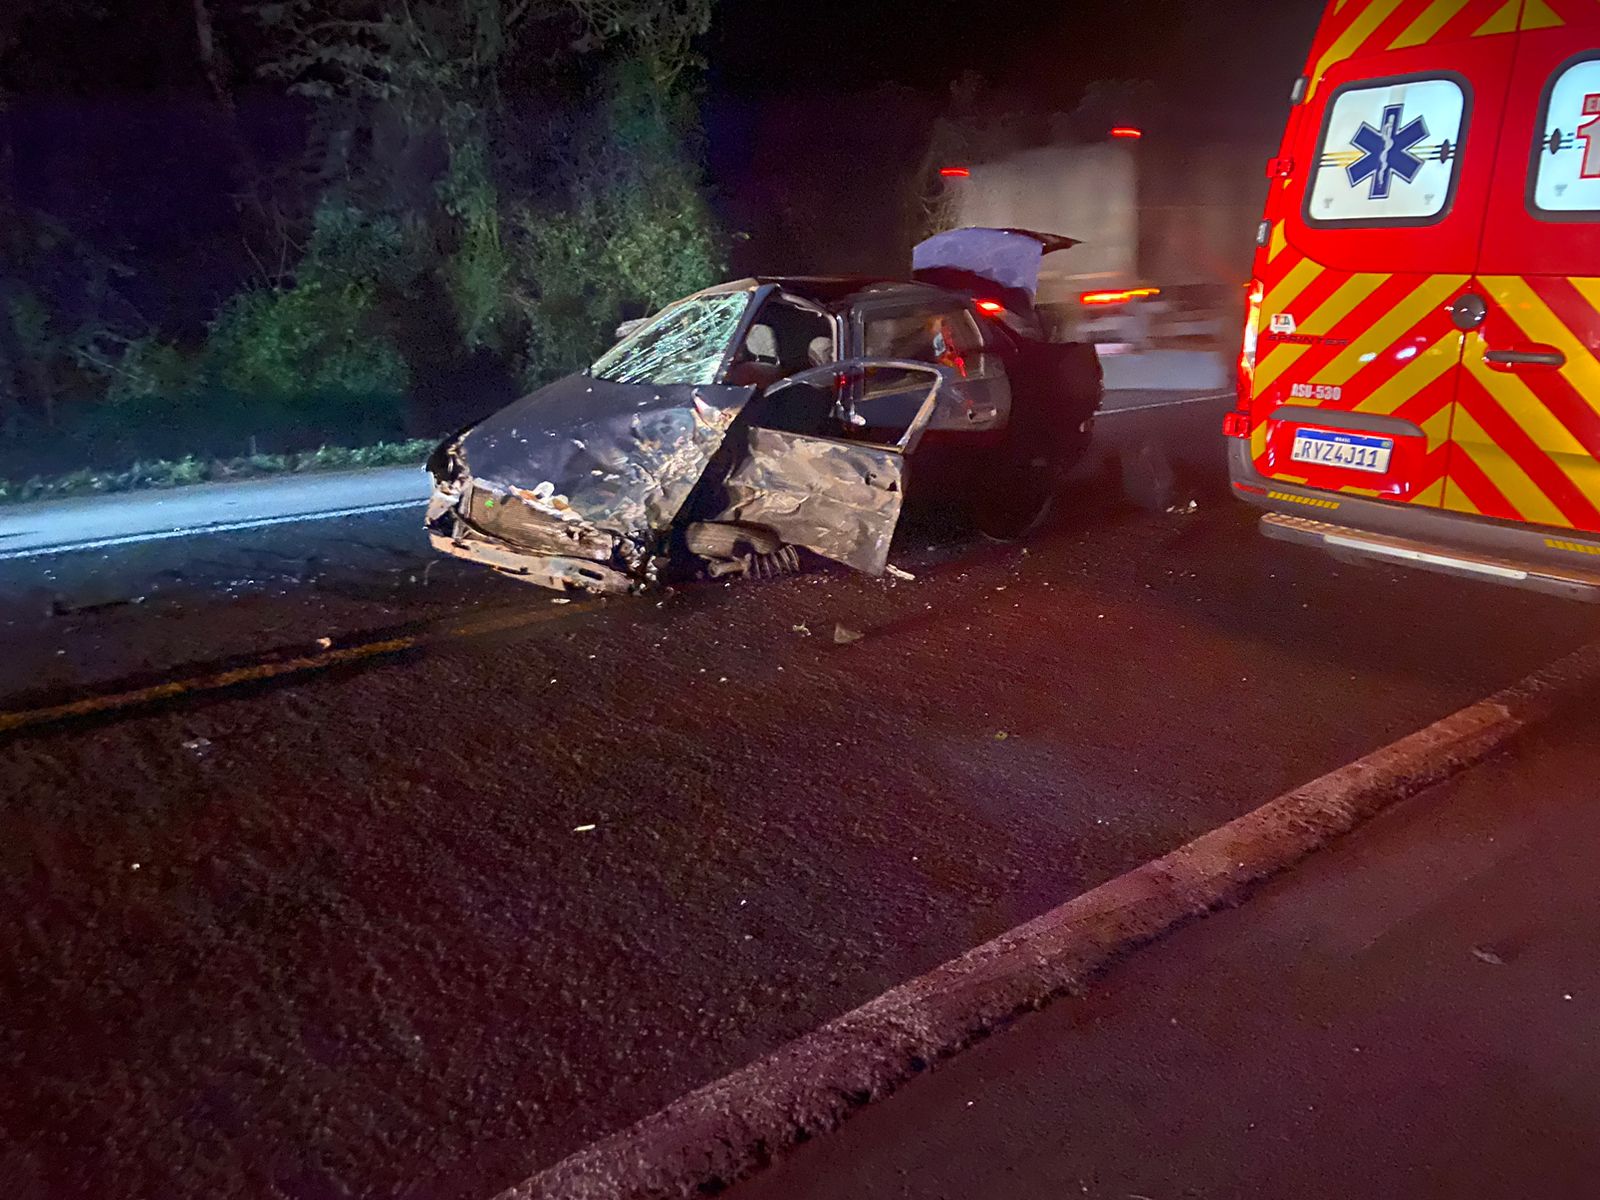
x=1114, y=412
x=161, y=535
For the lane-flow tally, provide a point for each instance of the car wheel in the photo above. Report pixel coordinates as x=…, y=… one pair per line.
x=1019, y=500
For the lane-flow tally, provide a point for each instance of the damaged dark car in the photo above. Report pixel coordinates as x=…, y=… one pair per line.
x=756, y=421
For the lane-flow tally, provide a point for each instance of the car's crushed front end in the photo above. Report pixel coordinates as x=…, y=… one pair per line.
x=578, y=485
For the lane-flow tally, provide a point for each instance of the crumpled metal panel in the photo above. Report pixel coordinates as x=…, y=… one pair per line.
x=838, y=499
x=620, y=457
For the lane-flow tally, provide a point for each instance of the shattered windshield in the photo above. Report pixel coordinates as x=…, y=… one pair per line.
x=685, y=344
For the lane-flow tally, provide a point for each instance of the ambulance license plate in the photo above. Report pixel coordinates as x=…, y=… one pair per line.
x=1354, y=451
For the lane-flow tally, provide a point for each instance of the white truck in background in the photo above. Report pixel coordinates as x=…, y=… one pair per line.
x=1157, y=284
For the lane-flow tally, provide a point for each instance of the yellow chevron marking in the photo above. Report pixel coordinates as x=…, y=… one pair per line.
x=1433, y=18
x=1284, y=293
x=1382, y=334
x=1574, y=547
x=1308, y=501
x=1536, y=14
x=1431, y=496
x=1523, y=405
x=1258, y=441
x=1456, y=501
x=1505, y=473
x=1589, y=289
x=1530, y=312
x=1280, y=239
x=1348, y=42
x=1352, y=490
x=1437, y=427
x=1334, y=309
x=1414, y=376
x=1503, y=21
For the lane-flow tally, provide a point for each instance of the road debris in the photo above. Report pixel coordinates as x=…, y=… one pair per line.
x=1484, y=954
x=584, y=828
x=802, y=629
x=325, y=642
x=895, y=571
x=1184, y=510
x=561, y=600
x=197, y=745
x=845, y=637
x=66, y=608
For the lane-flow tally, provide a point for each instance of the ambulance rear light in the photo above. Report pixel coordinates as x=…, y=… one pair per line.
x=1236, y=424
x=1247, y=352
x=1122, y=297
x=956, y=172
x=1127, y=132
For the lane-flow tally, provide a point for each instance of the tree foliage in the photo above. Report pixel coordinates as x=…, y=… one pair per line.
x=449, y=188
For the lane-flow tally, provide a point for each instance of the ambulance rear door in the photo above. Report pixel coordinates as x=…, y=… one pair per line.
x=1527, y=429
x=1359, y=349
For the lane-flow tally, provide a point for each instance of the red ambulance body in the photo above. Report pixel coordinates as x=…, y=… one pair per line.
x=1420, y=380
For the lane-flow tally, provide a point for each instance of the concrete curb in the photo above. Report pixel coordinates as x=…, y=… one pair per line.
x=714, y=1136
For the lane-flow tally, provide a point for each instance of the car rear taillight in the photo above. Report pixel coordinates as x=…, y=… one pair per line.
x=991, y=308
x=1120, y=297
x=1247, y=352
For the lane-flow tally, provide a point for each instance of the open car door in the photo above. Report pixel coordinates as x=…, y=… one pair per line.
x=836, y=496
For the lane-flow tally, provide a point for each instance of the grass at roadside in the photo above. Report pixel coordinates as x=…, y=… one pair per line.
x=169, y=473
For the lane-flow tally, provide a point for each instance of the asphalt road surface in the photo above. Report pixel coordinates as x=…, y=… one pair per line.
x=417, y=926
x=1410, y=1013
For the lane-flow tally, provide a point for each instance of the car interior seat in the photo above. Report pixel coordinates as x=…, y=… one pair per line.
x=758, y=363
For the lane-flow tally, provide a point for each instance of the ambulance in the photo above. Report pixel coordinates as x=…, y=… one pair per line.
x=1420, y=376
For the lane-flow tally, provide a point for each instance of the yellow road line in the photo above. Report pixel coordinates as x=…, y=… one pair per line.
x=111, y=702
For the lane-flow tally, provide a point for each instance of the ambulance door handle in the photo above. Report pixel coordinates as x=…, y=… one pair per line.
x=1534, y=356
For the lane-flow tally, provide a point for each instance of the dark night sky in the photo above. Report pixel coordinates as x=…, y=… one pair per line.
x=818, y=114
x=1234, y=57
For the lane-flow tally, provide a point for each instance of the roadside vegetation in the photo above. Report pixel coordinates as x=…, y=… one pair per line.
x=364, y=223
